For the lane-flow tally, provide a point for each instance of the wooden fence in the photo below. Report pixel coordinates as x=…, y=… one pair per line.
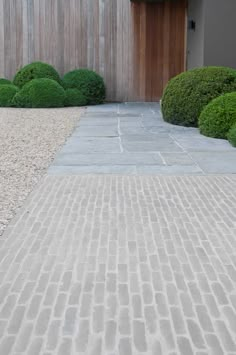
x=137, y=47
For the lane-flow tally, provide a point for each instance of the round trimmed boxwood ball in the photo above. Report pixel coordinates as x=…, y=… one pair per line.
x=187, y=94
x=7, y=93
x=4, y=81
x=89, y=83
x=40, y=93
x=75, y=98
x=232, y=136
x=218, y=116
x=35, y=70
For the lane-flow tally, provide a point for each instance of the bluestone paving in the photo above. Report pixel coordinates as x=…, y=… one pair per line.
x=108, y=136
x=120, y=264
x=120, y=252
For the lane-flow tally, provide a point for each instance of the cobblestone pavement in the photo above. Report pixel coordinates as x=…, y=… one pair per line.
x=121, y=265
x=132, y=138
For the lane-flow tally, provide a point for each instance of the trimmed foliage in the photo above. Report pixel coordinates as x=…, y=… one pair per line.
x=75, y=98
x=5, y=81
x=40, y=93
x=218, y=116
x=7, y=93
x=36, y=70
x=89, y=83
x=188, y=93
x=232, y=136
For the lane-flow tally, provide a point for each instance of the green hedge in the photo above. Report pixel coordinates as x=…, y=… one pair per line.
x=187, y=94
x=218, y=116
x=232, y=136
x=7, y=93
x=5, y=81
x=89, y=83
x=39, y=85
x=36, y=70
x=42, y=93
x=75, y=98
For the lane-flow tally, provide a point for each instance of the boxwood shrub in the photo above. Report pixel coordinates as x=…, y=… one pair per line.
x=187, y=94
x=75, y=98
x=40, y=93
x=218, y=116
x=35, y=70
x=7, y=93
x=5, y=81
x=89, y=83
x=232, y=135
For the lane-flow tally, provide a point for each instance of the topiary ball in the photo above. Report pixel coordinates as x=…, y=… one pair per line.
x=187, y=94
x=5, y=81
x=218, y=116
x=40, y=93
x=7, y=93
x=36, y=70
x=89, y=83
x=75, y=98
x=232, y=135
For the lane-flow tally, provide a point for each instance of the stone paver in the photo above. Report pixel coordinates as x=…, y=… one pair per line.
x=132, y=138
x=121, y=265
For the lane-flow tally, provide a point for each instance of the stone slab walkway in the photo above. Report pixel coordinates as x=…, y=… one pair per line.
x=121, y=265
x=133, y=139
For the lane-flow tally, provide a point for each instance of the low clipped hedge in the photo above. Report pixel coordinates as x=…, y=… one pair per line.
x=218, y=116
x=35, y=70
x=186, y=95
x=5, y=81
x=39, y=85
x=7, y=93
x=89, y=83
x=40, y=93
x=75, y=98
x=232, y=135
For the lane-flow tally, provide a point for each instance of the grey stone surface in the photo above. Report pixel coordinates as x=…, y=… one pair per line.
x=123, y=265
x=96, y=131
x=216, y=162
x=132, y=159
x=88, y=145
x=132, y=138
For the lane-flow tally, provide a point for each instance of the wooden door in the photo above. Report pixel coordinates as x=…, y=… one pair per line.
x=159, y=31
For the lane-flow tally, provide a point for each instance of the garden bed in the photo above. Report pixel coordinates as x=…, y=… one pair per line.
x=29, y=140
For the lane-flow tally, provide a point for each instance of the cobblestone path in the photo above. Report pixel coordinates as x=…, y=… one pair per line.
x=121, y=265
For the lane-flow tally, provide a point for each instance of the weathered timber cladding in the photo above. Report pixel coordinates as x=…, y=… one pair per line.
x=137, y=47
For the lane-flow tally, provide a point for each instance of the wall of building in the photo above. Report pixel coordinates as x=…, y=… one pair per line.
x=195, y=38
x=214, y=40
x=220, y=33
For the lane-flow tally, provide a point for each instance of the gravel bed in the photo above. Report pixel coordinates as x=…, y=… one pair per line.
x=29, y=139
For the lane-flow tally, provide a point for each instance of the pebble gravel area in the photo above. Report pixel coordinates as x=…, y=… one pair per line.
x=29, y=139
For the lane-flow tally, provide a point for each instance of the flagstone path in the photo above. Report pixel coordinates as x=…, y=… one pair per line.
x=134, y=139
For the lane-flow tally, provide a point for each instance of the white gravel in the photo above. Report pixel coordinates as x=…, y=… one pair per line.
x=29, y=139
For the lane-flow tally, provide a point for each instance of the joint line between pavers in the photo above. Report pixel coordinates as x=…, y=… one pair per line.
x=119, y=132
x=162, y=158
x=186, y=152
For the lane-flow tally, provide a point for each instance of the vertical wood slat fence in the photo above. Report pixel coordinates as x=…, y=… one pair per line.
x=136, y=47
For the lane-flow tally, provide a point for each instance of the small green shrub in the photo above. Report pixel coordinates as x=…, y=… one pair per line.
x=75, y=98
x=40, y=93
x=7, y=93
x=5, y=81
x=36, y=70
x=89, y=83
x=232, y=135
x=187, y=94
x=218, y=116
